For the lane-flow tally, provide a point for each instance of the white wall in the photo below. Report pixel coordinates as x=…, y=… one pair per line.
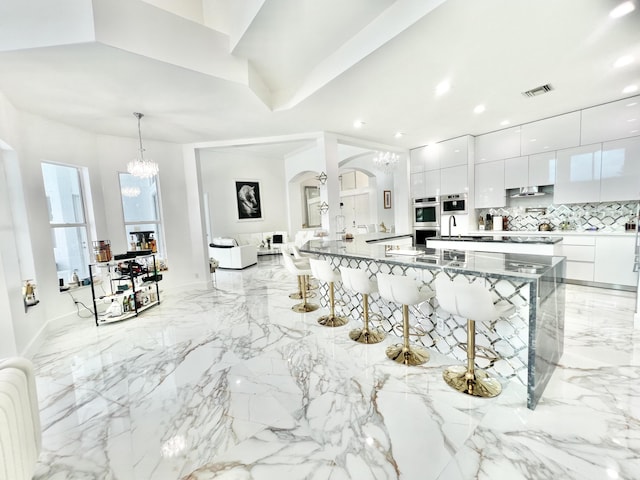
x=34, y=140
x=220, y=170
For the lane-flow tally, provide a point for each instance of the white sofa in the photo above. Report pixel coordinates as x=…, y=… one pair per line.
x=20, y=433
x=231, y=255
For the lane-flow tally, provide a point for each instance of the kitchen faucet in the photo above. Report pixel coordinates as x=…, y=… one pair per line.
x=451, y=217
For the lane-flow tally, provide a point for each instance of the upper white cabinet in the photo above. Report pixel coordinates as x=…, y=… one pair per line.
x=498, y=145
x=432, y=183
x=550, y=134
x=454, y=152
x=416, y=160
x=489, y=185
x=611, y=121
x=418, y=187
x=620, y=174
x=425, y=158
x=542, y=169
x=578, y=175
x=453, y=180
x=516, y=172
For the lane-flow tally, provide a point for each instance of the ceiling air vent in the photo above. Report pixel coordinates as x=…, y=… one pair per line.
x=534, y=92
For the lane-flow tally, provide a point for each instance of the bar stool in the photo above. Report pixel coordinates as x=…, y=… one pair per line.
x=302, y=257
x=301, y=271
x=322, y=270
x=406, y=291
x=286, y=251
x=358, y=281
x=473, y=302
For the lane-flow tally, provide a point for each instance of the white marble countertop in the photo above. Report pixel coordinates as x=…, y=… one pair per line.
x=558, y=233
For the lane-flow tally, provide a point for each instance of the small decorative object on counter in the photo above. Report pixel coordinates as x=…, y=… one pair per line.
x=505, y=223
x=481, y=223
x=488, y=221
x=29, y=293
x=383, y=227
x=102, y=250
x=630, y=225
x=75, y=280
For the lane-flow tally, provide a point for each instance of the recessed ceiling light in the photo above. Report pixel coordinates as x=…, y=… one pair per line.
x=632, y=120
x=622, y=9
x=632, y=104
x=358, y=124
x=443, y=87
x=533, y=140
x=635, y=131
x=630, y=89
x=399, y=135
x=479, y=109
x=623, y=61
x=505, y=122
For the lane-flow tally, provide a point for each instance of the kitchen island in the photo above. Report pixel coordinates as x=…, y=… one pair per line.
x=535, y=245
x=529, y=343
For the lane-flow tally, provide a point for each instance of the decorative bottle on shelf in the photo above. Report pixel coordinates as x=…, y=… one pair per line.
x=481, y=223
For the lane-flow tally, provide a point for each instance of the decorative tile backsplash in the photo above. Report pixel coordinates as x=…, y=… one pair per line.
x=606, y=216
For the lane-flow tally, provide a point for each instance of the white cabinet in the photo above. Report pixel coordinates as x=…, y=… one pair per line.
x=489, y=185
x=542, y=169
x=580, y=253
x=432, y=183
x=620, y=173
x=614, y=261
x=550, y=134
x=454, y=152
x=453, y=180
x=425, y=158
x=611, y=121
x=416, y=160
x=578, y=175
x=498, y=145
x=516, y=172
x=418, y=187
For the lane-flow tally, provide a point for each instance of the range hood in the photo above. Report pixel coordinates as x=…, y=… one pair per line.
x=528, y=192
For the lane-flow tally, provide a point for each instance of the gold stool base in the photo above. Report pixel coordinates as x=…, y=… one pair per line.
x=304, y=307
x=363, y=336
x=332, y=321
x=413, y=355
x=298, y=295
x=480, y=386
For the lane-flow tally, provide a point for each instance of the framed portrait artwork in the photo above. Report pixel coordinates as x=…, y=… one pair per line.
x=248, y=200
x=386, y=198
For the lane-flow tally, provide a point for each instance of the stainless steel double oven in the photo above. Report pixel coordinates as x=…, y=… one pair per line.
x=426, y=219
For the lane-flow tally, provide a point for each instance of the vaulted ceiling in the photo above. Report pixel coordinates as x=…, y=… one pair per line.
x=208, y=70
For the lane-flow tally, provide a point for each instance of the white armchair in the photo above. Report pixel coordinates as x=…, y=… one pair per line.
x=231, y=255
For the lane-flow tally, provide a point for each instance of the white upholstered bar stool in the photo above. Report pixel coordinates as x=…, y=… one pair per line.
x=405, y=291
x=301, y=271
x=322, y=270
x=357, y=280
x=473, y=302
x=286, y=251
x=303, y=257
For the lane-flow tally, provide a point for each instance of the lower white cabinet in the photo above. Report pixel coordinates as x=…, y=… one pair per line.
x=614, y=261
x=580, y=253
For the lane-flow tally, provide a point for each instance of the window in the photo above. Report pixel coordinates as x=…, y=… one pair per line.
x=141, y=207
x=65, y=203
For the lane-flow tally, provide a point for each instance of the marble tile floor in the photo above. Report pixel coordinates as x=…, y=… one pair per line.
x=229, y=383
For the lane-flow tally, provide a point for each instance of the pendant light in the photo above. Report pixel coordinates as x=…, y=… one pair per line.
x=139, y=167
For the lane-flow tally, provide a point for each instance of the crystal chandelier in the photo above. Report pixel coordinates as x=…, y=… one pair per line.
x=139, y=167
x=386, y=161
